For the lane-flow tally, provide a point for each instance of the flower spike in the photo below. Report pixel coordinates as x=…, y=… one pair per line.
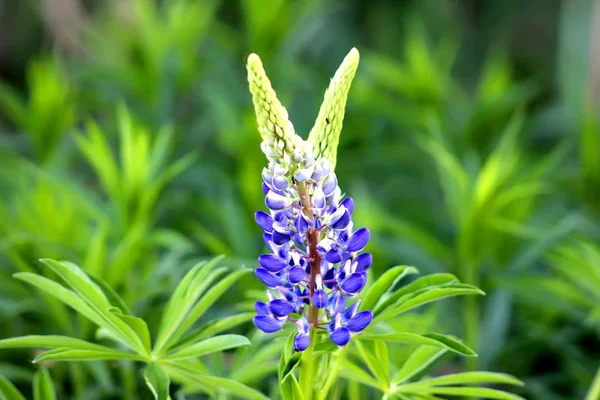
x=325, y=135
x=314, y=265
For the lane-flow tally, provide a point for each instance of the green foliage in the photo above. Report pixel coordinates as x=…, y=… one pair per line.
x=130, y=336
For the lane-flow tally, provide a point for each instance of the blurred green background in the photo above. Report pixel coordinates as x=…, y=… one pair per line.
x=471, y=145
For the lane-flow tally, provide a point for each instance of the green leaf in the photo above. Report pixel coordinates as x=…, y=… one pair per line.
x=421, y=283
x=66, y=296
x=93, y=296
x=385, y=282
x=418, y=361
x=214, y=344
x=427, y=295
x=204, y=304
x=354, y=373
x=8, y=391
x=430, y=339
x=290, y=389
x=68, y=354
x=158, y=381
x=43, y=388
x=51, y=341
x=484, y=393
x=191, y=287
x=212, y=383
x=290, y=365
x=472, y=378
x=113, y=297
x=375, y=365
x=214, y=327
x=140, y=327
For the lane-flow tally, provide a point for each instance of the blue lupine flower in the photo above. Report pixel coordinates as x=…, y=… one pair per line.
x=309, y=226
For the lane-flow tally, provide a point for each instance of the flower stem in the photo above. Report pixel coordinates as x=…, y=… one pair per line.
x=307, y=369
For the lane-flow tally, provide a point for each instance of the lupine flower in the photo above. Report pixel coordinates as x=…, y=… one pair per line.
x=315, y=264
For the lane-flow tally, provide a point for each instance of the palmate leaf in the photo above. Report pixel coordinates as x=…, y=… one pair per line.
x=480, y=393
x=385, y=283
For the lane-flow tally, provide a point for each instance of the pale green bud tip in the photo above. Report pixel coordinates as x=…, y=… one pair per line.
x=275, y=129
x=324, y=136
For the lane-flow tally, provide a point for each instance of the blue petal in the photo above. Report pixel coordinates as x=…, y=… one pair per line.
x=363, y=262
x=354, y=283
x=349, y=313
x=330, y=184
x=328, y=278
x=267, y=237
x=320, y=299
x=333, y=256
x=318, y=198
x=301, y=342
x=336, y=304
x=343, y=221
x=267, y=175
x=301, y=224
x=281, y=308
x=267, y=324
x=360, y=321
x=296, y=274
x=340, y=336
x=303, y=326
x=265, y=188
x=283, y=228
x=280, y=238
x=349, y=204
x=264, y=220
x=288, y=294
x=276, y=201
x=358, y=240
x=271, y=262
x=279, y=182
x=267, y=278
x=261, y=308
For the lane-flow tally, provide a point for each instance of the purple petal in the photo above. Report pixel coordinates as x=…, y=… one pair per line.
x=330, y=184
x=320, y=299
x=264, y=220
x=281, y=238
x=340, y=336
x=349, y=204
x=267, y=324
x=301, y=342
x=261, y=308
x=334, y=256
x=281, y=308
x=363, y=262
x=288, y=294
x=276, y=201
x=271, y=262
x=267, y=278
x=354, y=283
x=268, y=238
x=296, y=274
x=360, y=321
x=358, y=240
x=303, y=174
x=267, y=175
